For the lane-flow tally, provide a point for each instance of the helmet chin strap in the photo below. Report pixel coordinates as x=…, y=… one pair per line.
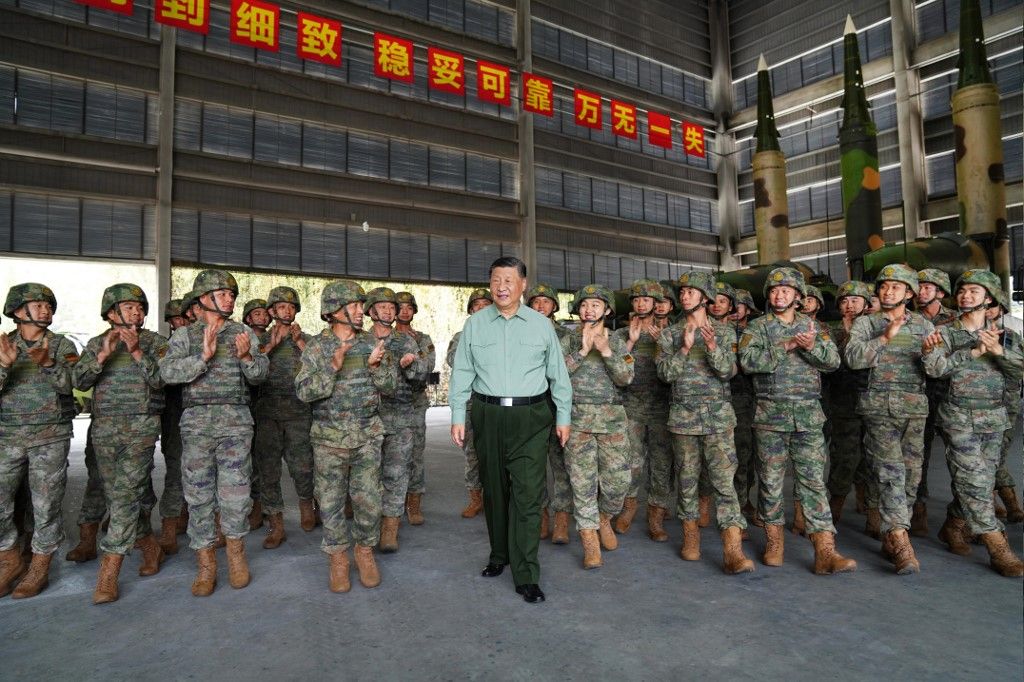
x=332, y=320
x=35, y=323
x=214, y=309
x=690, y=311
x=123, y=323
x=718, y=317
x=970, y=309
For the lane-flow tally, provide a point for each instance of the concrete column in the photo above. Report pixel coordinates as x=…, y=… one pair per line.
x=165, y=174
x=725, y=142
x=909, y=117
x=527, y=177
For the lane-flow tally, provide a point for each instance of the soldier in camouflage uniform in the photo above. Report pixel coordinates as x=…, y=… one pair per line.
x=36, y=409
x=1005, y=485
x=343, y=375
x=646, y=402
x=786, y=353
x=407, y=310
x=396, y=411
x=216, y=359
x=93, y=508
x=697, y=356
x=172, y=502
x=478, y=300
x=664, y=311
x=887, y=346
x=812, y=302
x=544, y=299
x=971, y=352
x=121, y=367
x=741, y=387
x=282, y=420
x=256, y=318
x=933, y=286
x=597, y=452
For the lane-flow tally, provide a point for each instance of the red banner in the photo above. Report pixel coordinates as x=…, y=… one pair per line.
x=693, y=139
x=624, y=119
x=392, y=57
x=588, y=108
x=256, y=24
x=493, y=83
x=319, y=39
x=190, y=15
x=447, y=71
x=538, y=94
x=659, y=129
x=119, y=6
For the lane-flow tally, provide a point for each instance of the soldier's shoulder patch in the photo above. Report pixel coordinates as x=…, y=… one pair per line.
x=745, y=341
x=628, y=359
x=734, y=348
x=430, y=348
x=71, y=358
x=162, y=352
x=825, y=336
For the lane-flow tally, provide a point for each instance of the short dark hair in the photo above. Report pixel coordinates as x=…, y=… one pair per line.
x=509, y=262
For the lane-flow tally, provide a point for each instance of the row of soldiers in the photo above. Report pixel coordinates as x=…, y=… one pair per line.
x=345, y=410
x=698, y=394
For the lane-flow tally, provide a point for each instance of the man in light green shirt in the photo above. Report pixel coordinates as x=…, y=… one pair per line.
x=508, y=359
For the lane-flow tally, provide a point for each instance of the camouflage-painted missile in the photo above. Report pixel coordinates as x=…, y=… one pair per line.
x=980, y=187
x=950, y=252
x=858, y=148
x=771, y=210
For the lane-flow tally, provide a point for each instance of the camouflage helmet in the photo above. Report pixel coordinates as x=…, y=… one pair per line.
x=983, y=278
x=670, y=295
x=378, y=295
x=593, y=291
x=406, y=297
x=121, y=293
x=544, y=290
x=727, y=290
x=251, y=305
x=20, y=294
x=898, y=272
x=338, y=294
x=478, y=295
x=284, y=294
x=647, y=287
x=702, y=281
x=936, y=277
x=811, y=291
x=174, y=308
x=743, y=297
x=785, y=277
x=213, y=280
x=854, y=288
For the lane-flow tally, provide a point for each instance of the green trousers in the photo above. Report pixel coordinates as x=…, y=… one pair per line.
x=512, y=444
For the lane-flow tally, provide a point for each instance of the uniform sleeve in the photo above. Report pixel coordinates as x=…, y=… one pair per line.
x=823, y=355
x=722, y=359
x=670, y=362
x=619, y=364
x=149, y=365
x=385, y=375
x=758, y=354
x=88, y=368
x=428, y=354
x=256, y=370
x=570, y=353
x=449, y=359
x=179, y=366
x=558, y=379
x=65, y=357
x=463, y=374
x=1011, y=362
x=955, y=350
x=863, y=346
x=417, y=369
x=315, y=380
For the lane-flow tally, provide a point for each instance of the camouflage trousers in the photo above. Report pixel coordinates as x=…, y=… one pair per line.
x=893, y=448
x=930, y=430
x=972, y=458
x=560, y=498
x=288, y=439
x=846, y=452
x=94, y=499
x=124, y=454
x=714, y=453
x=343, y=473
x=1004, y=479
x=417, y=466
x=172, y=500
x=650, y=457
x=216, y=468
x=47, y=467
x=806, y=449
x=598, y=469
x=472, y=470
x=394, y=470
x=745, y=446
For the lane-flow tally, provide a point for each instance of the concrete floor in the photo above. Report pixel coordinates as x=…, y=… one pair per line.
x=645, y=615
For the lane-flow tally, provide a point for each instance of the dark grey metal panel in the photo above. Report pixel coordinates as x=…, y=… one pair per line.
x=409, y=256
x=367, y=252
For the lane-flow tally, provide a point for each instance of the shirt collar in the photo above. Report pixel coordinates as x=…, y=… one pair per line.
x=493, y=312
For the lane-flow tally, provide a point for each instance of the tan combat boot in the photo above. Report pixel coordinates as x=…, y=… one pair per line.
x=85, y=550
x=275, y=531
x=475, y=504
x=169, y=536
x=206, y=574
x=799, y=523
x=690, y=550
x=655, y=524
x=36, y=579
x=339, y=580
x=369, y=576
x=835, y=506
x=607, y=535
x=902, y=552
x=733, y=559
x=307, y=515
x=1014, y=512
x=826, y=559
x=389, y=534
x=220, y=540
x=238, y=567
x=704, y=507
x=873, y=523
x=861, y=491
x=919, y=520
x=1002, y=558
x=591, y=549
x=106, y=581
x=182, y=521
x=560, y=533
x=625, y=517
x=997, y=507
x=774, y=550
x=152, y=556
x=956, y=535
x=545, y=524
x=12, y=567
x=256, y=515
x=414, y=508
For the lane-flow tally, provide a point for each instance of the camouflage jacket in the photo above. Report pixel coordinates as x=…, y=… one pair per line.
x=428, y=357
x=975, y=399
x=221, y=381
x=276, y=397
x=944, y=316
x=840, y=387
x=701, y=399
x=1012, y=389
x=36, y=404
x=892, y=380
x=741, y=385
x=346, y=403
x=787, y=384
x=122, y=386
x=596, y=380
x=396, y=409
x=560, y=331
x=647, y=396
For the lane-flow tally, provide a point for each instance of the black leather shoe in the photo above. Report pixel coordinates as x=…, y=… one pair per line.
x=531, y=593
x=493, y=570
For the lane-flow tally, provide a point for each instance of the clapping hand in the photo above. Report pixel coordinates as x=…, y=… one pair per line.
x=130, y=336
x=806, y=339
x=894, y=327
x=377, y=354
x=407, y=360
x=707, y=332
x=243, y=347
x=989, y=340
x=932, y=341
x=8, y=351
x=40, y=353
x=210, y=340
